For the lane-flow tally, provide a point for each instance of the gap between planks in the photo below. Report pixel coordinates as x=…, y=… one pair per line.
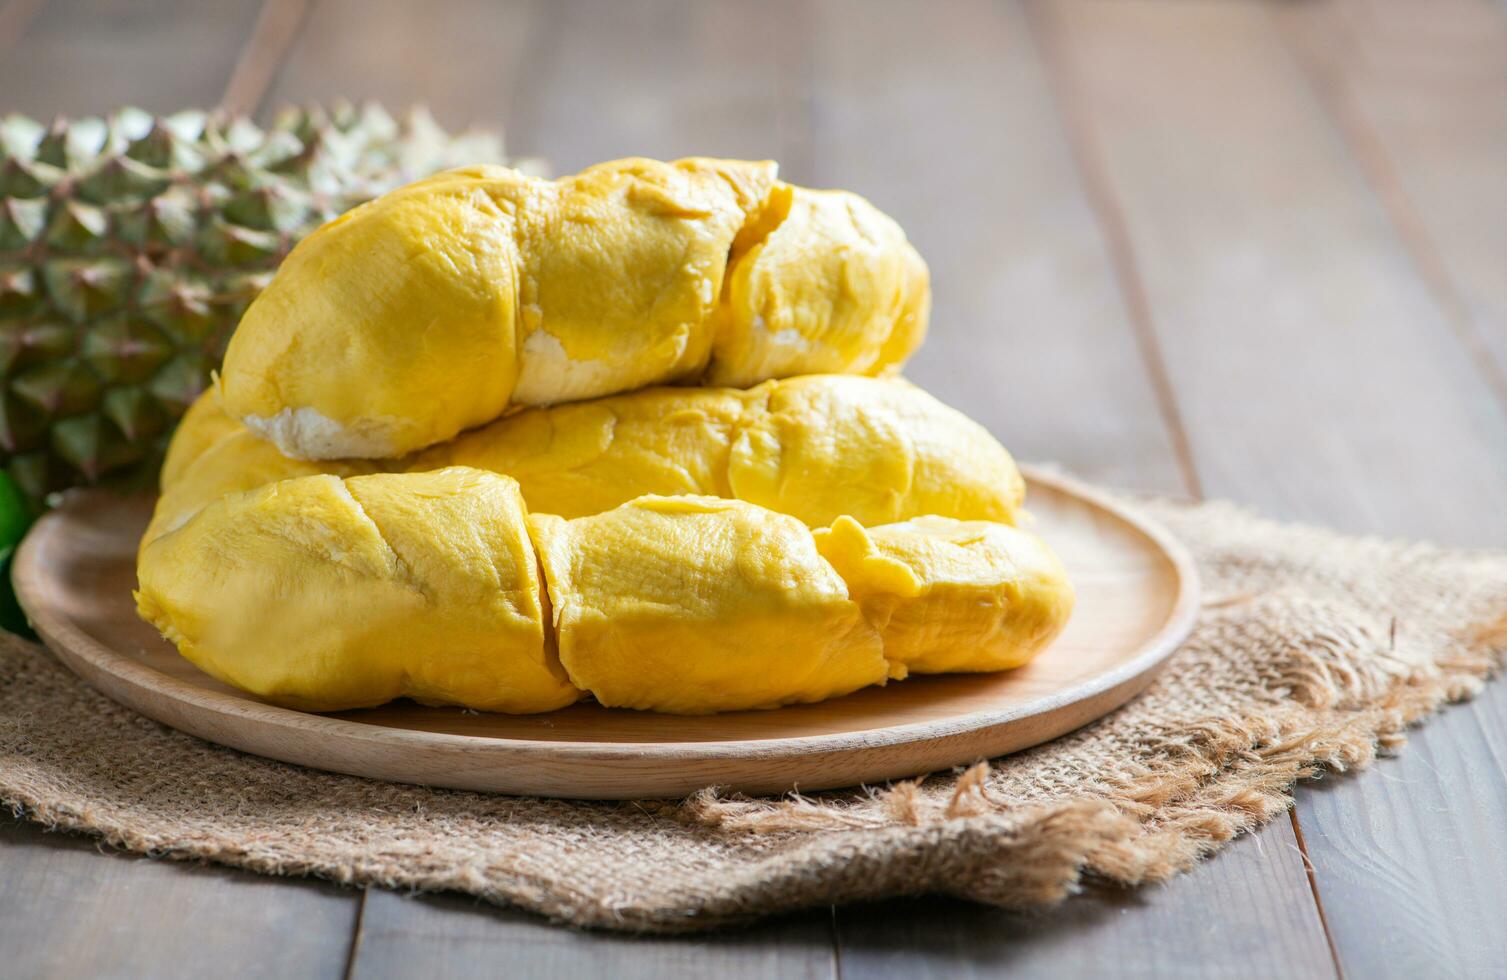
x=835, y=935
x=1313, y=886
x=277, y=27
x=356, y=933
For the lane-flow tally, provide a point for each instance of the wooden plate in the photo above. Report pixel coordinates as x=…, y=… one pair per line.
x=1137, y=596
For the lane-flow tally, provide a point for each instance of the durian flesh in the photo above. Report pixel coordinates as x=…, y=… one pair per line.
x=368, y=507
x=711, y=549
x=815, y=447
x=323, y=593
x=434, y=308
x=130, y=246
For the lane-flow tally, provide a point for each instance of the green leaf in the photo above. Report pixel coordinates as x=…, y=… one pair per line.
x=15, y=518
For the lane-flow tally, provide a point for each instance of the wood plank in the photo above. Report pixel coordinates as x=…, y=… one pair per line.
x=1164, y=931
x=1316, y=374
x=575, y=81
x=84, y=57
x=1420, y=91
x=1030, y=335
x=1319, y=379
x=457, y=937
x=70, y=908
x=669, y=78
x=1412, y=857
x=466, y=59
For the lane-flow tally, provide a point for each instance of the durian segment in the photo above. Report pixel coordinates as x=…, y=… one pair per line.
x=237, y=461
x=211, y=454
x=391, y=327
x=624, y=264
x=588, y=457
x=324, y=594
x=692, y=605
x=879, y=450
x=833, y=288
x=204, y=424
x=432, y=309
x=813, y=447
x=131, y=244
x=950, y=596
x=685, y=604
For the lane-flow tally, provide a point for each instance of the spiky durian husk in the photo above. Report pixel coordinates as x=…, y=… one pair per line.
x=130, y=246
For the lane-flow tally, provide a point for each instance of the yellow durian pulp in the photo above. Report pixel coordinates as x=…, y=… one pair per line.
x=696, y=604
x=445, y=462
x=322, y=593
x=814, y=447
x=949, y=595
x=687, y=557
x=435, y=307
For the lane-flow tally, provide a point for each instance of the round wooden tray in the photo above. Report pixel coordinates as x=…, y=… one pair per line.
x=1137, y=597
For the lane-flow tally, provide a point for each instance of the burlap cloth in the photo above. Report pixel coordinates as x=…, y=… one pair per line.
x=1313, y=649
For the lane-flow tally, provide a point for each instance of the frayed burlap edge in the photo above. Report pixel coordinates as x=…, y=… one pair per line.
x=1139, y=823
x=1236, y=776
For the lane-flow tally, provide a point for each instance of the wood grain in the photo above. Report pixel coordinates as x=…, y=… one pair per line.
x=72, y=909
x=1410, y=855
x=469, y=60
x=1319, y=379
x=85, y=57
x=1234, y=917
x=1315, y=371
x=1420, y=93
x=1421, y=96
x=1137, y=596
x=575, y=81
x=402, y=936
x=666, y=78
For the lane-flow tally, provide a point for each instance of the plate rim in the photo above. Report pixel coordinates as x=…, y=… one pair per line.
x=65, y=640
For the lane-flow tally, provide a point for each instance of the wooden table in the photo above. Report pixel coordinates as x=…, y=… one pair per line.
x=1219, y=248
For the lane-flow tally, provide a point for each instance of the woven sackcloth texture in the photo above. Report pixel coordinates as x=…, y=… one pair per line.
x=1313, y=649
